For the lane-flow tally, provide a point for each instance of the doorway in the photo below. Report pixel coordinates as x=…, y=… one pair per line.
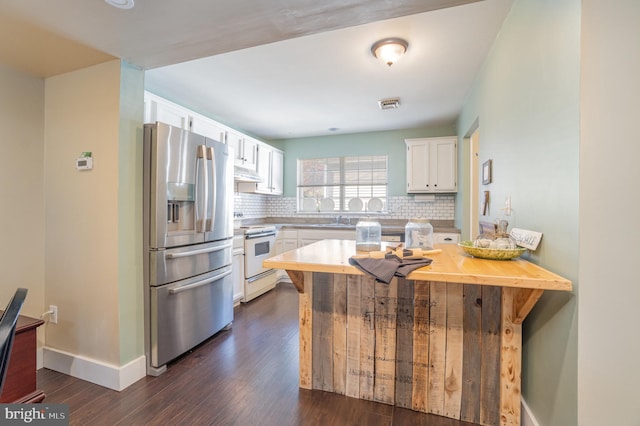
x=474, y=177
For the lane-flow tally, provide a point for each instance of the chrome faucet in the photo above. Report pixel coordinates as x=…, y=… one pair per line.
x=338, y=219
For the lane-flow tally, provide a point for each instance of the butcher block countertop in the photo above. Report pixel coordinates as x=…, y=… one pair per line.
x=450, y=265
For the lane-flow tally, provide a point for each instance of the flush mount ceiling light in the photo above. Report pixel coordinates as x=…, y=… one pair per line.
x=389, y=50
x=120, y=4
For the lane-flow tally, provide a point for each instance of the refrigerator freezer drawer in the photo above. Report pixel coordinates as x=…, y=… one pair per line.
x=167, y=266
x=187, y=313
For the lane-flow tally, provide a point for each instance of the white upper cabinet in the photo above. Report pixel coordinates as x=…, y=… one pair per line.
x=245, y=150
x=277, y=172
x=270, y=168
x=432, y=165
x=207, y=127
x=164, y=111
x=159, y=109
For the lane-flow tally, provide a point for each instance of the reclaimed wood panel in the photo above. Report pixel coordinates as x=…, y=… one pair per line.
x=367, y=337
x=472, y=343
x=352, y=387
x=448, y=349
x=339, y=333
x=323, y=331
x=490, y=362
x=453, y=364
x=305, y=316
x=421, y=330
x=510, y=361
x=437, y=346
x=386, y=306
x=404, y=346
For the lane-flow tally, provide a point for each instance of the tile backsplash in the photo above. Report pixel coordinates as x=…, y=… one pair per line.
x=400, y=207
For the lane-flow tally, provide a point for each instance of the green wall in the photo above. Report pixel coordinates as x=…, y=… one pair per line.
x=526, y=102
x=130, y=261
x=377, y=143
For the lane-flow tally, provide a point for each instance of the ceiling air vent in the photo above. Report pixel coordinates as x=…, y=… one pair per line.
x=390, y=103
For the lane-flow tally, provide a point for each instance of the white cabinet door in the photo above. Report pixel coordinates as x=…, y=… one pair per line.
x=238, y=277
x=432, y=165
x=250, y=153
x=157, y=109
x=309, y=236
x=245, y=150
x=286, y=240
x=289, y=244
x=277, y=172
x=208, y=128
x=417, y=167
x=270, y=168
x=263, y=167
x=443, y=169
x=236, y=142
x=446, y=238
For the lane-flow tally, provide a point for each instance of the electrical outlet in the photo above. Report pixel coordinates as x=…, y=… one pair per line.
x=54, y=314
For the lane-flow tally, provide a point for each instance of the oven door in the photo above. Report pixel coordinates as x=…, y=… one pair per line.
x=256, y=249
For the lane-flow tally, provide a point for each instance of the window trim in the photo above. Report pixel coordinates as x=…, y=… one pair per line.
x=342, y=202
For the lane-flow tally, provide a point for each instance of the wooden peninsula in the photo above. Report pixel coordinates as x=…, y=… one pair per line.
x=446, y=340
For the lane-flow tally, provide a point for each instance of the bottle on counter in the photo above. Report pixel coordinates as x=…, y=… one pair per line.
x=418, y=233
x=368, y=235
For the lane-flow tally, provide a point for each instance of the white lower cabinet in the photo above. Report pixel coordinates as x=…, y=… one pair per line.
x=286, y=240
x=238, y=269
x=309, y=236
x=446, y=238
x=290, y=239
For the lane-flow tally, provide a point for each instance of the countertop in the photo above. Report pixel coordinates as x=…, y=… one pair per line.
x=388, y=225
x=451, y=265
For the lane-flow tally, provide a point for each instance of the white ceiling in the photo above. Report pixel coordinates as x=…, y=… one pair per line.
x=277, y=69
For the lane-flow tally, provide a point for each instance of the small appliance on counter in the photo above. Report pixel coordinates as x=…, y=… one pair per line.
x=368, y=235
x=418, y=233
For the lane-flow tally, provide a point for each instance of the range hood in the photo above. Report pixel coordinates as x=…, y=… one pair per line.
x=240, y=174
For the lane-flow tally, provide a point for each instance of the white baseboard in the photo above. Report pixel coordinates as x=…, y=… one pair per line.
x=94, y=371
x=527, y=418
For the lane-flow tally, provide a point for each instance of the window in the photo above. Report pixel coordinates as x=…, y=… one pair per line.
x=342, y=184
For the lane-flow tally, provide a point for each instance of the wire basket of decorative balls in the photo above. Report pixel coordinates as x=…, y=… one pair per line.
x=498, y=245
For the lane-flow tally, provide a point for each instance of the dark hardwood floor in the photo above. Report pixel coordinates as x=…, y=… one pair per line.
x=245, y=376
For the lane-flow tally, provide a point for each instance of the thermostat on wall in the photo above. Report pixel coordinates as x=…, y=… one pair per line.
x=84, y=162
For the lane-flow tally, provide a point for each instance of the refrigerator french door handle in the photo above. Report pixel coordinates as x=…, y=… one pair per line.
x=199, y=283
x=201, y=221
x=199, y=251
x=214, y=194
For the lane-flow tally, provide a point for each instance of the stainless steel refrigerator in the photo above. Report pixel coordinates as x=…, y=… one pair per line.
x=188, y=234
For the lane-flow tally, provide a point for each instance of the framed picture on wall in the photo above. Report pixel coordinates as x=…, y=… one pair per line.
x=486, y=172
